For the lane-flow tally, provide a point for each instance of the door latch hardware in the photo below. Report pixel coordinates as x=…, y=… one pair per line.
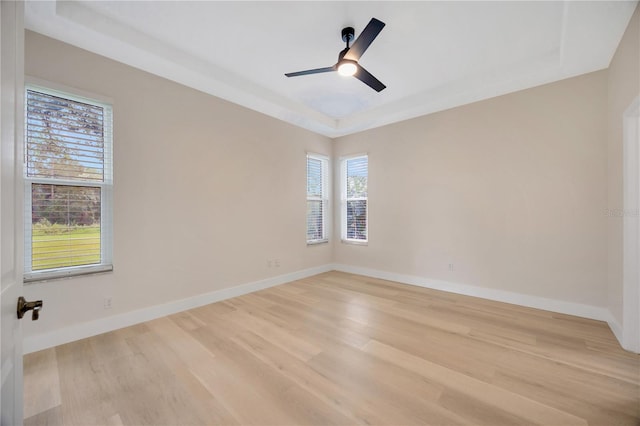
x=24, y=306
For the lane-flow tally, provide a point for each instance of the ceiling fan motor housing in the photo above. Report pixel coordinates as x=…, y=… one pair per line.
x=347, y=34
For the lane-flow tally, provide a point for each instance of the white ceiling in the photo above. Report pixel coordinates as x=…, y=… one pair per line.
x=431, y=55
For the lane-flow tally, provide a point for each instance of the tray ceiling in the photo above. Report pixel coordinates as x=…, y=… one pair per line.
x=431, y=55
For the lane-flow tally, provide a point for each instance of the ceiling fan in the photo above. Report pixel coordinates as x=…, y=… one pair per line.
x=347, y=64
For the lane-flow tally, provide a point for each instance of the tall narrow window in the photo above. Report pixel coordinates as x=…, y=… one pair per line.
x=354, y=177
x=317, y=198
x=68, y=185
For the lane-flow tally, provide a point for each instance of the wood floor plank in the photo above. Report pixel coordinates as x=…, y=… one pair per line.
x=596, y=410
x=41, y=380
x=50, y=417
x=204, y=404
x=341, y=349
x=364, y=376
x=307, y=378
x=475, y=389
x=84, y=389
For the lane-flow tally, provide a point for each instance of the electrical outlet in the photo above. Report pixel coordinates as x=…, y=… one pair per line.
x=107, y=303
x=451, y=267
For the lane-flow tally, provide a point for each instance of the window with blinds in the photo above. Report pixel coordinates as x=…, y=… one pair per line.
x=354, y=176
x=68, y=184
x=317, y=198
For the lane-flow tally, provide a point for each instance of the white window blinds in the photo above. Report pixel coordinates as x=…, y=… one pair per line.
x=317, y=198
x=69, y=183
x=65, y=138
x=355, y=172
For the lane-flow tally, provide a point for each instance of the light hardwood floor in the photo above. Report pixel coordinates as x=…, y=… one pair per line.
x=341, y=349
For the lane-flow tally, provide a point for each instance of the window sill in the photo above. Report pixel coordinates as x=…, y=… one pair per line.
x=355, y=242
x=316, y=242
x=57, y=274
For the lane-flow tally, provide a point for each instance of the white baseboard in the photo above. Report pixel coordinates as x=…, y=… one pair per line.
x=553, y=305
x=80, y=331
x=615, y=327
x=563, y=307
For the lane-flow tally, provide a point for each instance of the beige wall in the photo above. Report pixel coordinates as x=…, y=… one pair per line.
x=205, y=191
x=510, y=190
x=623, y=87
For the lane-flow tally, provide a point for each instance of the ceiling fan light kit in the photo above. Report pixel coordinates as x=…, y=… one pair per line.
x=347, y=64
x=347, y=68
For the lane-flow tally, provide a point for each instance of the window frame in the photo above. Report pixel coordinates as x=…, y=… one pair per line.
x=324, y=197
x=106, y=186
x=344, y=201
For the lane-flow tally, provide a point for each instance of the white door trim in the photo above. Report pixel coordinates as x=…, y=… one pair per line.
x=631, y=228
x=11, y=136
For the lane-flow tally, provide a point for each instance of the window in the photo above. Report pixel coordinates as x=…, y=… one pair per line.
x=317, y=198
x=354, y=176
x=68, y=185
